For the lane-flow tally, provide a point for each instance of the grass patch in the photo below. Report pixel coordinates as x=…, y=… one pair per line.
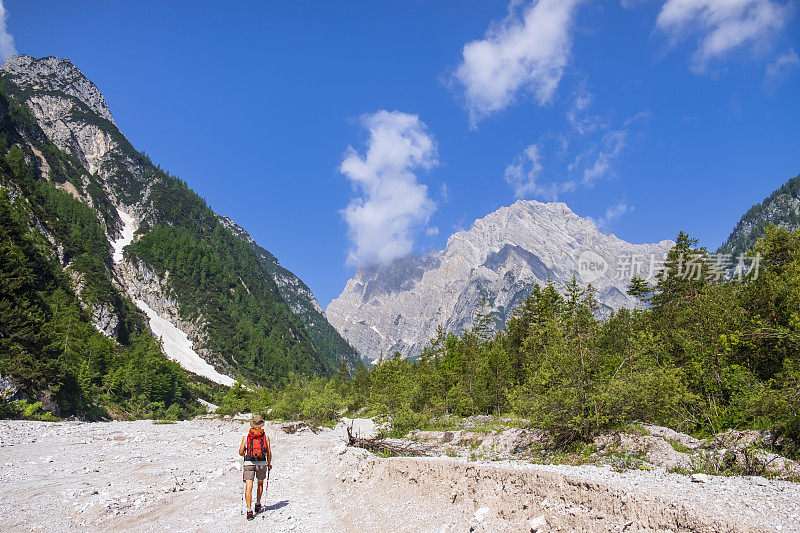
x=727, y=464
x=678, y=446
x=637, y=428
x=628, y=461
x=577, y=455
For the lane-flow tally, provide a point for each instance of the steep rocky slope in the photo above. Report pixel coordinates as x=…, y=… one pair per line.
x=71, y=342
x=397, y=307
x=781, y=208
x=302, y=302
x=170, y=251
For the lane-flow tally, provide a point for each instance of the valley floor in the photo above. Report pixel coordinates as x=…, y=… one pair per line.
x=142, y=476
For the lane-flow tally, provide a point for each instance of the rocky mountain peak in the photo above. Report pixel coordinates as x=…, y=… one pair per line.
x=133, y=192
x=397, y=307
x=509, y=222
x=53, y=75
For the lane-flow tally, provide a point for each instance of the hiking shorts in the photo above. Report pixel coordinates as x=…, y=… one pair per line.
x=252, y=472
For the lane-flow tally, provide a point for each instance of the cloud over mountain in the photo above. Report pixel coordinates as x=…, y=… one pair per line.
x=7, y=48
x=392, y=205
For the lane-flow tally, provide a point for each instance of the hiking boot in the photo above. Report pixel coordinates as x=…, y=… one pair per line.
x=250, y=515
x=258, y=507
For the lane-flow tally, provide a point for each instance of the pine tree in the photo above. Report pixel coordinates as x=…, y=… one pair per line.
x=639, y=288
x=482, y=325
x=344, y=373
x=684, y=275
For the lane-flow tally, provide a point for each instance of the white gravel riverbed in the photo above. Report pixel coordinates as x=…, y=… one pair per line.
x=115, y=476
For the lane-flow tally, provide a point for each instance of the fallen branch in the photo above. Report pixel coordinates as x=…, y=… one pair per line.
x=387, y=447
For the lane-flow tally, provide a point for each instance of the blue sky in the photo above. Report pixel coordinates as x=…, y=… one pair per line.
x=344, y=133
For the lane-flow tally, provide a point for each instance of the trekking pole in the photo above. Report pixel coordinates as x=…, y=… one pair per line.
x=266, y=489
x=241, y=509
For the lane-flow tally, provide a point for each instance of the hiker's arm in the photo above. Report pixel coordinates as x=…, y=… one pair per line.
x=269, y=454
x=242, y=445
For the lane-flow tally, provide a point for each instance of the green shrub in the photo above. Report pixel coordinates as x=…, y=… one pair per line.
x=400, y=422
x=236, y=399
x=323, y=407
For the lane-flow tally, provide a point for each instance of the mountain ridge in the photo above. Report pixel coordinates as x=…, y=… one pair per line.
x=256, y=333
x=781, y=207
x=499, y=258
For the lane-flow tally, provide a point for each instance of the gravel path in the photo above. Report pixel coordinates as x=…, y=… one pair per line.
x=142, y=476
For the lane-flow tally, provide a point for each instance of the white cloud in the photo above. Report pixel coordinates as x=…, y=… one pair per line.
x=781, y=67
x=525, y=52
x=613, y=143
x=597, y=158
x=524, y=173
x=723, y=25
x=583, y=101
x=640, y=116
x=612, y=213
x=392, y=204
x=597, y=170
x=461, y=224
x=579, y=117
x=7, y=48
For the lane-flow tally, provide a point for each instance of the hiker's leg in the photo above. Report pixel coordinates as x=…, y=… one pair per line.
x=259, y=490
x=248, y=493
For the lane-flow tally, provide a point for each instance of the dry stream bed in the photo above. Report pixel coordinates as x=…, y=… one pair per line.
x=115, y=476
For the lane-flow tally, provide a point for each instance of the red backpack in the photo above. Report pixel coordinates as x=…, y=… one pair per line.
x=256, y=449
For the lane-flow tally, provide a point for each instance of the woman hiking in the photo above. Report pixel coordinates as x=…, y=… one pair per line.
x=257, y=455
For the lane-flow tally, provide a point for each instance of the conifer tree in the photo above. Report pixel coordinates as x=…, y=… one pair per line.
x=639, y=288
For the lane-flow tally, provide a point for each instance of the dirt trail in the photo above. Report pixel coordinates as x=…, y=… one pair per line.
x=143, y=476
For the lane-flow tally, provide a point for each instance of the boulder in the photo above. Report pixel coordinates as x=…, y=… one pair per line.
x=656, y=450
x=538, y=523
x=513, y=441
x=734, y=439
x=674, y=436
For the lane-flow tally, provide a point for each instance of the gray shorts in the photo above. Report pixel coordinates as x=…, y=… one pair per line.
x=251, y=472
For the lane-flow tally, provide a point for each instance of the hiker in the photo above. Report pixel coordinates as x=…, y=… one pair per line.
x=257, y=455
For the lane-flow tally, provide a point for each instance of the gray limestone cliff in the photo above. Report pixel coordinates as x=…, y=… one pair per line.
x=397, y=307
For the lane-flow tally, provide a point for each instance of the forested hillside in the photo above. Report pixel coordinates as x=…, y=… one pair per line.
x=327, y=341
x=54, y=261
x=71, y=335
x=781, y=208
x=209, y=279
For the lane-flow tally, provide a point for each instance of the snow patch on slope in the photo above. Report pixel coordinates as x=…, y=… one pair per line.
x=210, y=407
x=128, y=229
x=178, y=347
